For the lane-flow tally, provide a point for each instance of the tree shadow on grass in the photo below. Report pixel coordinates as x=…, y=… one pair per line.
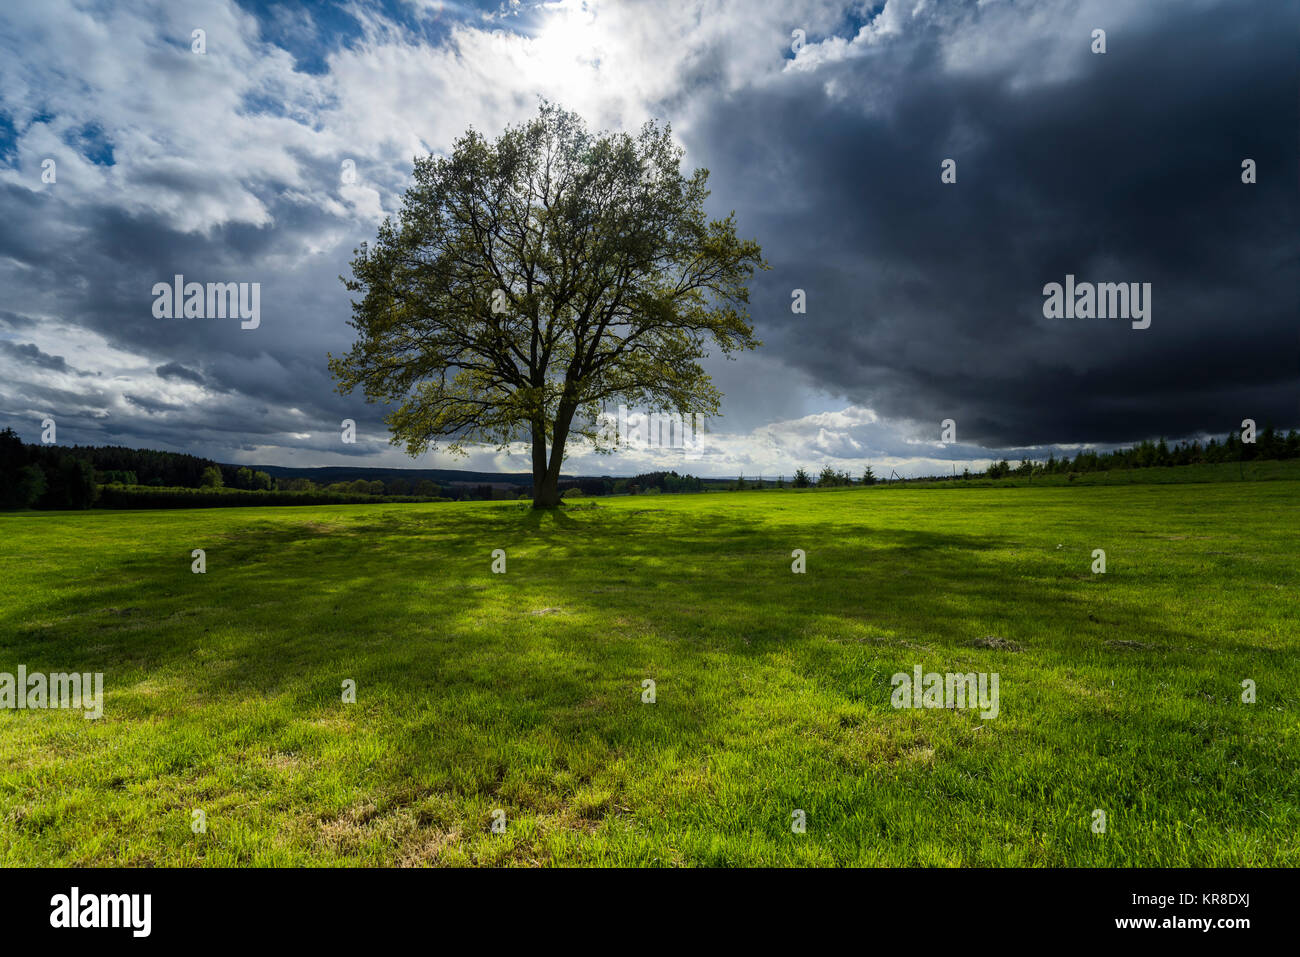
x=286, y=583
x=457, y=668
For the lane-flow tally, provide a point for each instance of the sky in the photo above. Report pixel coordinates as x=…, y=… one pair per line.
x=266, y=148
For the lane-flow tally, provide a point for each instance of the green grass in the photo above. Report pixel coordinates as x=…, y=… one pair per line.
x=522, y=691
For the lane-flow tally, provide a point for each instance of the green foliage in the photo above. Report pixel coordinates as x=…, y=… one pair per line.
x=31, y=485
x=15, y=480
x=71, y=486
x=211, y=478
x=116, y=477
x=129, y=466
x=298, y=485
x=30, y=476
x=664, y=481
x=246, y=478
x=830, y=478
x=1270, y=445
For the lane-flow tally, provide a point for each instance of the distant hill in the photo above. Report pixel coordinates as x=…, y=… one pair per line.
x=345, y=473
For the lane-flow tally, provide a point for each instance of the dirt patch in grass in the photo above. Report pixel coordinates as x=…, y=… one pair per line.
x=345, y=833
x=919, y=756
x=425, y=847
x=995, y=643
x=283, y=761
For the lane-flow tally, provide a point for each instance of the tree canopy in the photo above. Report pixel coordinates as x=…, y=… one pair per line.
x=531, y=281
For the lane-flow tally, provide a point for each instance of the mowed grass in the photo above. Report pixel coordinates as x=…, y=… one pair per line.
x=523, y=691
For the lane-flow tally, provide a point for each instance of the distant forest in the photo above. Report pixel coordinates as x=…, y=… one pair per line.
x=63, y=477
x=80, y=476
x=1269, y=445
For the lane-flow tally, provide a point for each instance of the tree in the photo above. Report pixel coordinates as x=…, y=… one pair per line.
x=211, y=478
x=529, y=281
x=827, y=477
x=72, y=485
x=15, y=480
x=868, y=476
x=30, y=487
x=801, y=479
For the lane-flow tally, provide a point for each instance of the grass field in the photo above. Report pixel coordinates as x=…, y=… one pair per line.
x=523, y=691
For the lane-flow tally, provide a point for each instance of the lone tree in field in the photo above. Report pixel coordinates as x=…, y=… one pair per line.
x=531, y=281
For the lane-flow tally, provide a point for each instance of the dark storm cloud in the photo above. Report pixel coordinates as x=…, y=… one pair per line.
x=174, y=370
x=15, y=321
x=925, y=299
x=118, y=258
x=151, y=406
x=31, y=355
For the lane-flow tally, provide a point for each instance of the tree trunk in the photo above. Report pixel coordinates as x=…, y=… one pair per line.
x=544, y=495
x=546, y=491
x=546, y=482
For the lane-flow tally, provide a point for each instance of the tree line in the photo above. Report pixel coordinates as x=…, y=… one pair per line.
x=1269, y=445
x=63, y=477
x=71, y=477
